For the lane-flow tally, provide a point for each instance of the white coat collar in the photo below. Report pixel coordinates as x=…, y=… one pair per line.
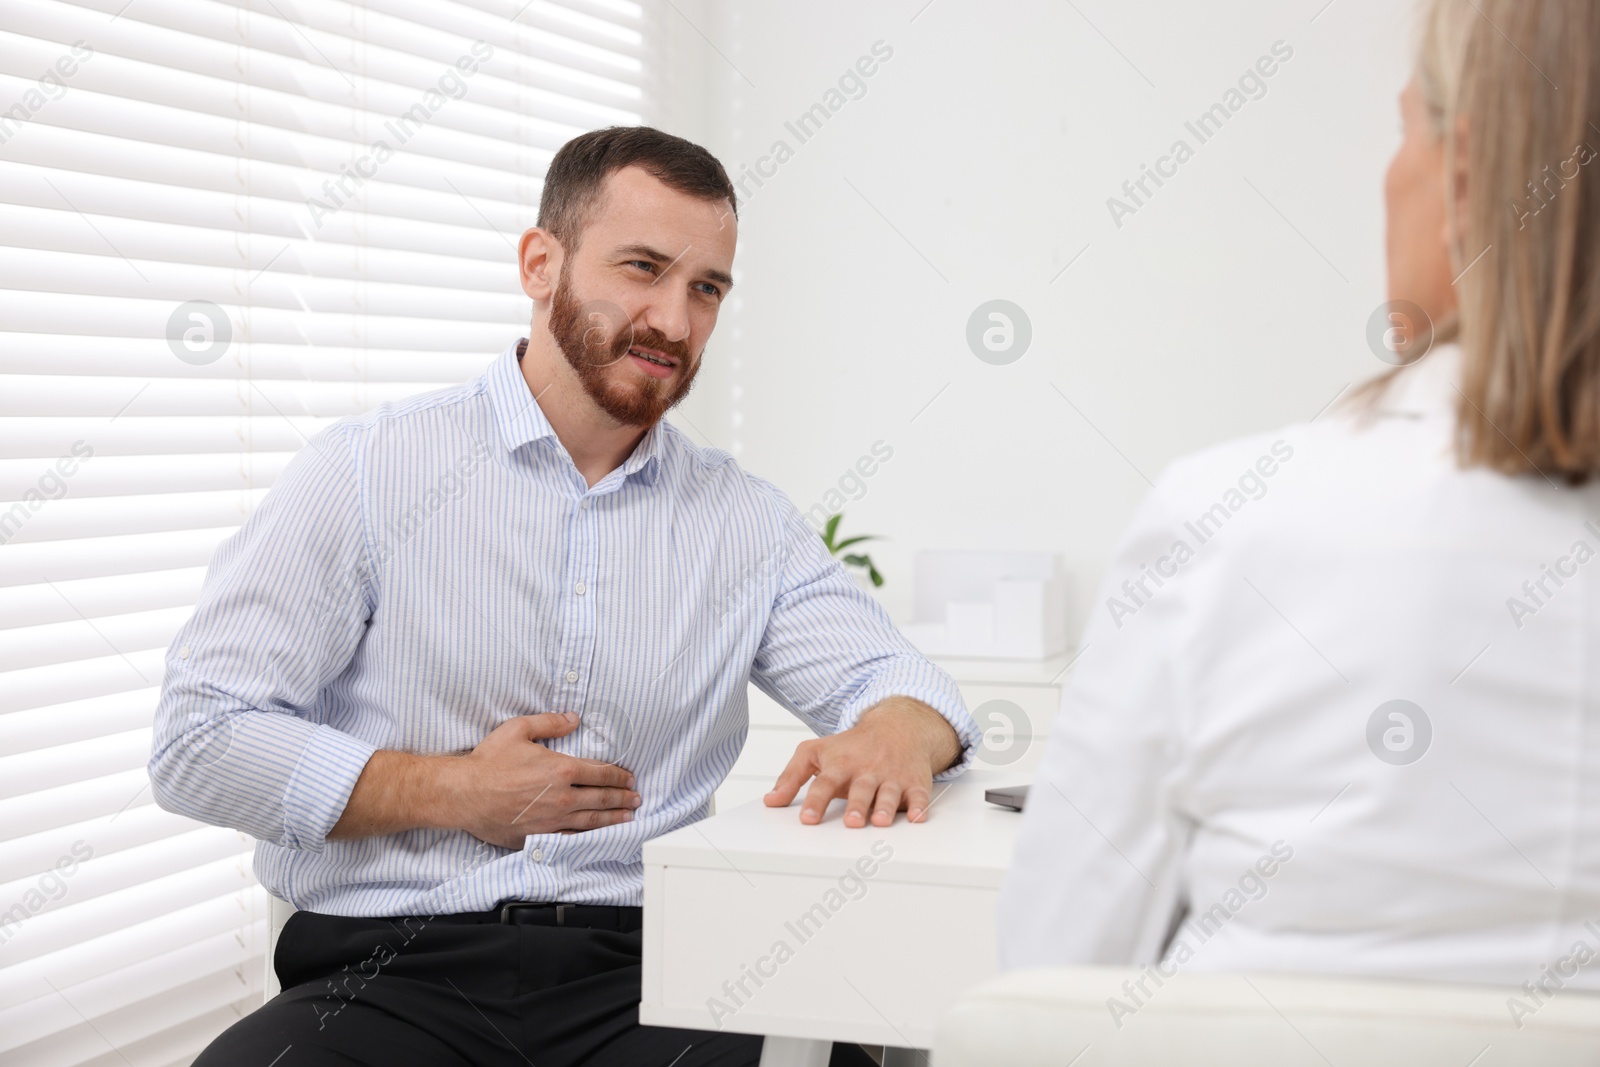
x=1428, y=388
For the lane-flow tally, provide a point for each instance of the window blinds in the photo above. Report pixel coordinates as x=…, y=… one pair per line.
x=223, y=225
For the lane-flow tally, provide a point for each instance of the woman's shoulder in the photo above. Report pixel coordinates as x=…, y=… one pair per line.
x=1348, y=455
x=1230, y=476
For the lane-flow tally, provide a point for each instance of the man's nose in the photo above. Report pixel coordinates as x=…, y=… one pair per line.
x=668, y=315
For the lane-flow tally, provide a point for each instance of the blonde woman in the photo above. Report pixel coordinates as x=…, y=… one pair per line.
x=1339, y=709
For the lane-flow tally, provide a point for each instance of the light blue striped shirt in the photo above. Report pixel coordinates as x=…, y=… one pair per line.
x=428, y=570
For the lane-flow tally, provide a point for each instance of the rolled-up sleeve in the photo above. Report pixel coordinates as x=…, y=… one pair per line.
x=242, y=733
x=830, y=651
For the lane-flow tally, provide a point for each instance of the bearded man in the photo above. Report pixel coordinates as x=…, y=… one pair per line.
x=475, y=648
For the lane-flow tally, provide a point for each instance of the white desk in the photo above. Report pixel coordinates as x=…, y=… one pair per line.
x=722, y=896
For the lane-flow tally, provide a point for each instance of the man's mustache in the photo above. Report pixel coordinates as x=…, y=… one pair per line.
x=610, y=350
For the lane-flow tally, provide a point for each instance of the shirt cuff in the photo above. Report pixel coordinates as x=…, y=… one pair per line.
x=320, y=786
x=933, y=687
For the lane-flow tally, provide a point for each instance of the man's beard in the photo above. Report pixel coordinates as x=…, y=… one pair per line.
x=595, y=335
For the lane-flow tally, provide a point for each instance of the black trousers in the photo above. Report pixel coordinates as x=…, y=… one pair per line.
x=468, y=991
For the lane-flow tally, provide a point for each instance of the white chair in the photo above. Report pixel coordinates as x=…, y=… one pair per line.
x=1086, y=1017
x=278, y=913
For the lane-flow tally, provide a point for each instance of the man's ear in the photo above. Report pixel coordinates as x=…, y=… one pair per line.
x=539, y=257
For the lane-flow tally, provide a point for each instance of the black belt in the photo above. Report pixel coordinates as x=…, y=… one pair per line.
x=618, y=917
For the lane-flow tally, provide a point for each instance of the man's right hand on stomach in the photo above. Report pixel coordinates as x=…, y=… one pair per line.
x=513, y=786
x=506, y=788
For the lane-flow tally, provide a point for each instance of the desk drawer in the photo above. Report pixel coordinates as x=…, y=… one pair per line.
x=876, y=967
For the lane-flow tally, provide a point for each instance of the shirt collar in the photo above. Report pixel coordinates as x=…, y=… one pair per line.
x=646, y=458
x=522, y=421
x=520, y=418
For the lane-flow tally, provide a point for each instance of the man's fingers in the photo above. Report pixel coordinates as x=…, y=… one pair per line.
x=822, y=790
x=592, y=773
x=584, y=797
x=800, y=767
x=888, y=802
x=594, y=818
x=918, y=800
x=859, y=803
x=548, y=724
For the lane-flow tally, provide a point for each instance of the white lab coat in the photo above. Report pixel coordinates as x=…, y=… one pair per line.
x=1226, y=714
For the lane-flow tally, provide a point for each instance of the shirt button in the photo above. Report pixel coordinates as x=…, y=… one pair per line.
x=572, y=676
x=584, y=505
x=580, y=589
x=183, y=653
x=537, y=854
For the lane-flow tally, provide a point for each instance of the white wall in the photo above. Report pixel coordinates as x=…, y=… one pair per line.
x=991, y=141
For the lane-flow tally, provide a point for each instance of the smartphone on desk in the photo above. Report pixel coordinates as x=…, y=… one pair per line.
x=1011, y=796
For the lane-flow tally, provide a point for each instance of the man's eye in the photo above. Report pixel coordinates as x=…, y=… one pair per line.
x=709, y=289
x=643, y=264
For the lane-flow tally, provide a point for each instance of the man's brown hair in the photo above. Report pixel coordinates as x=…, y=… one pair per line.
x=577, y=174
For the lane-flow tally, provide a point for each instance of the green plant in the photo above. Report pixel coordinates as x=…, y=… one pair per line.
x=853, y=559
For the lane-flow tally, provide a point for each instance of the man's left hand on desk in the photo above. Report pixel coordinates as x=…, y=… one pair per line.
x=883, y=764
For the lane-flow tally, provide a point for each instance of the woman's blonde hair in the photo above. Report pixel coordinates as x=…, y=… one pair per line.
x=1509, y=86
